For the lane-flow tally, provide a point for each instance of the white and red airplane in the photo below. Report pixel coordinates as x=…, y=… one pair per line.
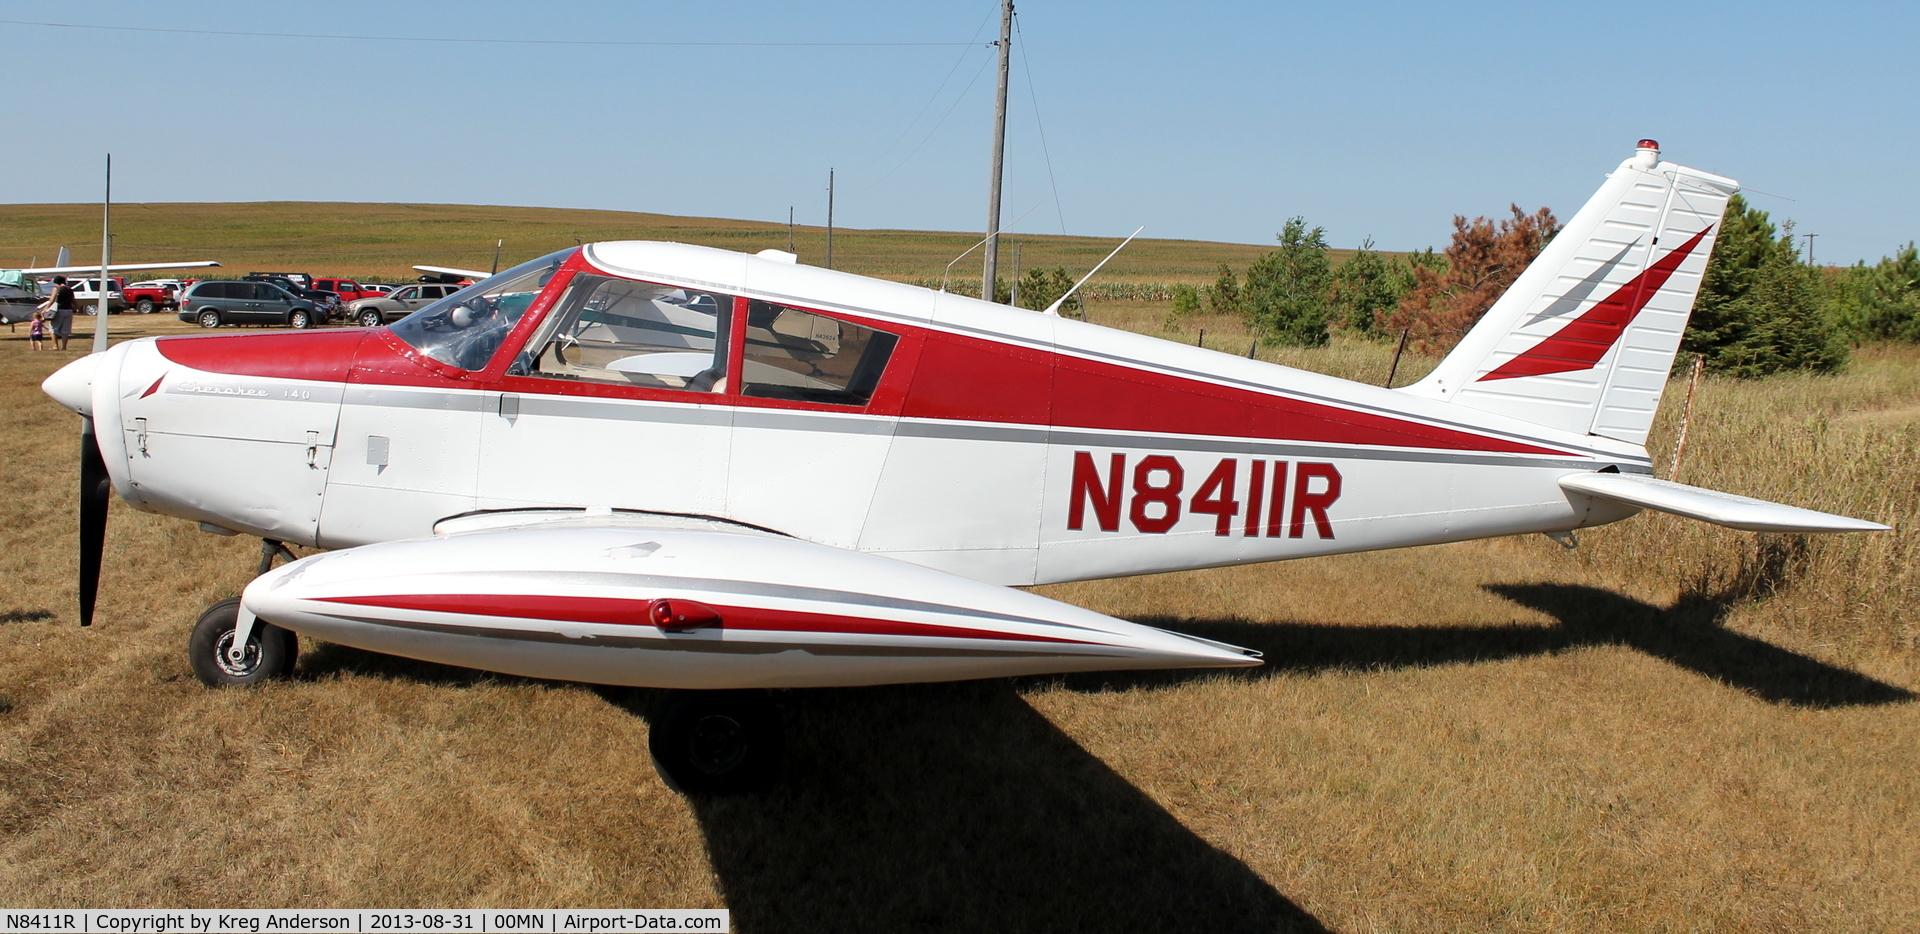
x=643, y=463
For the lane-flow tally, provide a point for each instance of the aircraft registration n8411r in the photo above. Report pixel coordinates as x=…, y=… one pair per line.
x=656, y=464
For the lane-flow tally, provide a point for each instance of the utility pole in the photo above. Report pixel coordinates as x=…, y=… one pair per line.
x=999, y=154
x=1809, y=247
x=106, y=259
x=829, y=218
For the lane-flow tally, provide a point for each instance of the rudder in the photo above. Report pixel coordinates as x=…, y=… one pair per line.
x=1585, y=337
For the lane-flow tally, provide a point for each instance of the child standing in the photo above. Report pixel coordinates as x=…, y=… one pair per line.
x=37, y=332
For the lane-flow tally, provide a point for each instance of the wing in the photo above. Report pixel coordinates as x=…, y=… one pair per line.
x=475, y=275
x=615, y=599
x=115, y=267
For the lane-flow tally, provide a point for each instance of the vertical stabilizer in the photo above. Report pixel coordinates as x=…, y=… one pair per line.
x=1584, y=339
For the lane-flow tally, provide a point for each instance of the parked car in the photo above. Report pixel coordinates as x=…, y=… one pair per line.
x=299, y=279
x=144, y=297
x=347, y=289
x=213, y=304
x=86, y=293
x=376, y=289
x=325, y=302
x=372, y=312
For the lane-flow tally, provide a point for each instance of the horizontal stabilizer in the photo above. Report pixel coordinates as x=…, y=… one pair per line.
x=1736, y=512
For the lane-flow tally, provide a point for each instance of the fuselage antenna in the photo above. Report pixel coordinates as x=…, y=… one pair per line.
x=1054, y=309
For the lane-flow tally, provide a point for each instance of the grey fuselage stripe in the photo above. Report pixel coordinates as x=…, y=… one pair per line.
x=711, y=646
x=670, y=413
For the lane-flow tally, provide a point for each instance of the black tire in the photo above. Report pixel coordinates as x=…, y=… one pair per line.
x=371, y=318
x=271, y=651
x=209, y=318
x=300, y=319
x=144, y=306
x=717, y=742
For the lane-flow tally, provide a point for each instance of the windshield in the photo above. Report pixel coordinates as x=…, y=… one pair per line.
x=465, y=328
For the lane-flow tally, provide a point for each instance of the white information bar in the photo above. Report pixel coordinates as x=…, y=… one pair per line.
x=364, y=920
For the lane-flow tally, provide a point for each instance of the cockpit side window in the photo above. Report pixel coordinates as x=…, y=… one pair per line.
x=612, y=330
x=808, y=357
x=465, y=328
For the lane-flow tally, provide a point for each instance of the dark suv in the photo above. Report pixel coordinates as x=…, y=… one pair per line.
x=216, y=303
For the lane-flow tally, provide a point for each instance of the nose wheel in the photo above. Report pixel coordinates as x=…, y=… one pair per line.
x=717, y=742
x=222, y=657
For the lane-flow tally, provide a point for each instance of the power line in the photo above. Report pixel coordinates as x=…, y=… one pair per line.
x=930, y=100
x=460, y=41
x=936, y=128
x=1026, y=67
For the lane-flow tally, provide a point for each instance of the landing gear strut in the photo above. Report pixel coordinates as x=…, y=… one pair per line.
x=717, y=742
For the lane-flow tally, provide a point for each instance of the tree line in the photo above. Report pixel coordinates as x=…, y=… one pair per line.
x=1761, y=308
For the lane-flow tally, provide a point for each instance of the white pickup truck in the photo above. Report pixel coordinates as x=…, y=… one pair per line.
x=86, y=294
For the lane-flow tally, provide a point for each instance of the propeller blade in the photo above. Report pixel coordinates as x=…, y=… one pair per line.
x=95, y=489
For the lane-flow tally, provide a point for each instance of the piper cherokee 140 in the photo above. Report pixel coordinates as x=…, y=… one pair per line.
x=655, y=464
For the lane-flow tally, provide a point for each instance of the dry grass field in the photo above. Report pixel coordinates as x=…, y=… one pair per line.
x=1673, y=728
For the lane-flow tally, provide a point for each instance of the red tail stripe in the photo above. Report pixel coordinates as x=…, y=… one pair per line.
x=1584, y=340
x=633, y=612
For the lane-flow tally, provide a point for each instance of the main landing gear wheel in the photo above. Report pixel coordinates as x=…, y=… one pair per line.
x=270, y=651
x=717, y=742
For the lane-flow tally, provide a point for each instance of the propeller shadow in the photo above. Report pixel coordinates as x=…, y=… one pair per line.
x=958, y=807
x=1690, y=634
x=25, y=616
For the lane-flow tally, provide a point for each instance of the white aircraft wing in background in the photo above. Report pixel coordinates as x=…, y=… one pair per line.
x=93, y=269
x=473, y=274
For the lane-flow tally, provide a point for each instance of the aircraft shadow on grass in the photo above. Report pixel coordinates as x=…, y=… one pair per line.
x=1690, y=634
x=936, y=807
x=958, y=807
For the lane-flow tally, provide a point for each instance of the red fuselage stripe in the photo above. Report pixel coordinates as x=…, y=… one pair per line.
x=633, y=612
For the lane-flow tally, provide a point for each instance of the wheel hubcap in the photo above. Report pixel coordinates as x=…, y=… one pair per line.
x=241, y=666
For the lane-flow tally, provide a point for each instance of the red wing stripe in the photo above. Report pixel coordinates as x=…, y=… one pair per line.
x=633, y=612
x=1583, y=341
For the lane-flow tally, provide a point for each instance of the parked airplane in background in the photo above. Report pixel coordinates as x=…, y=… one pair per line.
x=20, y=294
x=657, y=464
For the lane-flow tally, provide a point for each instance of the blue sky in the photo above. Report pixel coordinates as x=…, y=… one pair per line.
x=1198, y=120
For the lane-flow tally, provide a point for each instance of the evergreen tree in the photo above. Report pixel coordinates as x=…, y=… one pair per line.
x=1760, y=309
x=1881, y=302
x=1285, y=299
x=1223, y=297
x=1041, y=287
x=1367, y=287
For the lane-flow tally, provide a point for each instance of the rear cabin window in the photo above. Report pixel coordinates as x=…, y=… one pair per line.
x=612, y=330
x=807, y=357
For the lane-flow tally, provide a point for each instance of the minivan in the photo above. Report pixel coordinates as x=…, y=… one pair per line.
x=213, y=304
